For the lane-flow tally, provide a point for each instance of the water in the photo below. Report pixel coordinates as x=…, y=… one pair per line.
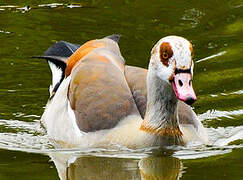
x=214, y=27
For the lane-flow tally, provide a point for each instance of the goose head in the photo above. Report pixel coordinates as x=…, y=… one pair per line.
x=171, y=61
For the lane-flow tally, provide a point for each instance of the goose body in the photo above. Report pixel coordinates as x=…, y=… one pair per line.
x=98, y=101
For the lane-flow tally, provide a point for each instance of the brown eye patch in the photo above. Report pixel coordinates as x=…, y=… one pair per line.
x=165, y=53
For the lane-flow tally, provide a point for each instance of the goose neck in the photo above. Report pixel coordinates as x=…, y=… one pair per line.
x=161, y=115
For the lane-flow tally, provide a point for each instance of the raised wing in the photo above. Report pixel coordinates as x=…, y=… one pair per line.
x=136, y=79
x=99, y=93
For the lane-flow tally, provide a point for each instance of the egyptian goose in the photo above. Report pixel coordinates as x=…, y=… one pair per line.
x=97, y=101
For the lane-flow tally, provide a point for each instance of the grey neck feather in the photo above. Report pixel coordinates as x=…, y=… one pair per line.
x=162, y=103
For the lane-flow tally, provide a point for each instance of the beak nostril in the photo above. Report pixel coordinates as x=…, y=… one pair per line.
x=180, y=82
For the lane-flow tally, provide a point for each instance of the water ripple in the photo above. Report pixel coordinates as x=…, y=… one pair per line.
x=51, y=5
x=33, y=139
x=5, y=32
x=211, y=57
x=222, y=136
x=216, y=114
x=28, y=8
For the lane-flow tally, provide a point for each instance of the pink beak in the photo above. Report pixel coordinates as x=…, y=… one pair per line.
x=182, y=85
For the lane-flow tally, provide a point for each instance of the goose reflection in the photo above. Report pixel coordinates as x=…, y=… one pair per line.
x=165, y=167
x=71, y=167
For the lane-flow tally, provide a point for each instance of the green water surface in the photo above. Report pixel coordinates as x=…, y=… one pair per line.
x=215, y=27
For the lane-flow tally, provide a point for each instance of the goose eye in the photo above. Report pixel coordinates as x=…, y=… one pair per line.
x=165, y=55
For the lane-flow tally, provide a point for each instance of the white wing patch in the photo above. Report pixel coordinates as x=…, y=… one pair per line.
x=73, y=120
x=56, y=75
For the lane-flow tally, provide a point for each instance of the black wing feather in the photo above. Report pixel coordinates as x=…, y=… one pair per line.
x=62, y=48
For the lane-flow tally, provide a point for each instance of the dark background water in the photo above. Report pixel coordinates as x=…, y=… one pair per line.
x=215, y=27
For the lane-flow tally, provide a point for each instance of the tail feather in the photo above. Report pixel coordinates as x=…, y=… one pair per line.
x=114, y=37
x=59, y=61
x=62, y=48
x=57, y=56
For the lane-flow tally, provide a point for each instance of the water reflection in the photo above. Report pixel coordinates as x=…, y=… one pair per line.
x=214, y=27
x=86, y=167
x=160, y=168
x=31, y=137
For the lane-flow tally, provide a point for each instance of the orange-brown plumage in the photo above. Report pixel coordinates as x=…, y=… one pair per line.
x=80, y=53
